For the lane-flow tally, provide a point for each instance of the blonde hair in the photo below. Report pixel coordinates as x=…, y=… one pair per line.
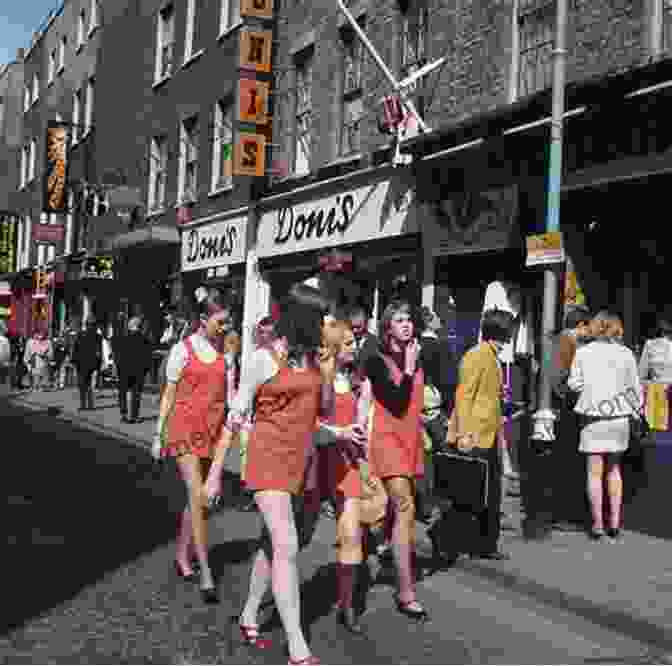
x=607, y=325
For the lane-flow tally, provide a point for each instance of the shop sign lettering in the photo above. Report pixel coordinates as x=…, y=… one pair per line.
x=217, y=244
x=319, y=222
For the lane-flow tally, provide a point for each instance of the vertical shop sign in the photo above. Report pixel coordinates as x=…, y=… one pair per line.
x=257, y=8
x=54, y=178
x=7, y=243
x=574, y=294
x=250, y=155
x=253, y=101
x=255, y=50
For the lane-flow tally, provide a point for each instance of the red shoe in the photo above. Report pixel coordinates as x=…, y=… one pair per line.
x=249, y=637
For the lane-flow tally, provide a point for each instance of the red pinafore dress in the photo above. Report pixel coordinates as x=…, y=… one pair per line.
x=286, y=413
x=340, y=478
x=199, y=414
x=396, y=444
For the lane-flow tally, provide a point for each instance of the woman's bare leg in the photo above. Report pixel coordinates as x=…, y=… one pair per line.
x=191, y=469
x=276, y=509
x=614, y=490
x=185, y=540
x=595, y=473
x=350, y=551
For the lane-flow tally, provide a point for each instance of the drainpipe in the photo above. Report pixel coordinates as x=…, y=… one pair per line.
x=543, y=434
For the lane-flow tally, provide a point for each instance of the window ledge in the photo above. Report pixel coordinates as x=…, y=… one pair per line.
x=225, y=32
x=92, y=29
x=158, y=83
x=181, y=203
x=344, y=159
x=220, y=190
x=50, y=83
x=60, y=70
x=193, y=57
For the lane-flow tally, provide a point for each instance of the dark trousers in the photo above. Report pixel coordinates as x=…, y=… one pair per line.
x=134, y=384
x=85, y=384
x=490, y=519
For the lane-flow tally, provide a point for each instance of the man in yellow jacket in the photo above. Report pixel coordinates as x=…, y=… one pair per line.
x=478, y=409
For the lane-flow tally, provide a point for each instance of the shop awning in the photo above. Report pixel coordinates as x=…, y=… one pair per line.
x=147, y=236
x=602, y=91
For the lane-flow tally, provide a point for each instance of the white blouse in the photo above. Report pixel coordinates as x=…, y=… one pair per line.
x=656, y=362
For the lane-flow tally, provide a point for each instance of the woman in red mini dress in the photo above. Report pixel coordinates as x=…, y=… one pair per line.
x=396, y=453
x=193, y=412
x=290, y=384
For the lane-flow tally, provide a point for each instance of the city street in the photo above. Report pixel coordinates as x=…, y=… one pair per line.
x=88, y=577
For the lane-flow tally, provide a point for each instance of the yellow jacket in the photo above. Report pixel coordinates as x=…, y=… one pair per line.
x=478, y=402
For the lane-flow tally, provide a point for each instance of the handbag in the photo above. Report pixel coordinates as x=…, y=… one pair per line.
x=463, y=478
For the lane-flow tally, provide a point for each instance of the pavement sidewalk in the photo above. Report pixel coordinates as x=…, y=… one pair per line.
x=625, y=585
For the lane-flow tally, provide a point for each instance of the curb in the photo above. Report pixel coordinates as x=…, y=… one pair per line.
x=638, y=628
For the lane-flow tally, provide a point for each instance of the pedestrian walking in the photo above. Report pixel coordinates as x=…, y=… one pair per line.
x=289, y=385
x=58, y=361
x=19, y=361
x=87, y=357
x=396, y=452
x=342, y=451
x=605, y=375
x=193, y=411
x=5, y=356
x=37, y=358
x=133, y=359
x=478, y=410
x=366, y=343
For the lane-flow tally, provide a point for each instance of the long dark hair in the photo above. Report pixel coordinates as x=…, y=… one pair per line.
x=301, y=315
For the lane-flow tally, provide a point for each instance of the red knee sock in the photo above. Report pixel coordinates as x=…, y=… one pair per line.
x=346, y=576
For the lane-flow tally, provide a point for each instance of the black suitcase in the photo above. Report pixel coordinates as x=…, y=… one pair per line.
x=455, y=533
x=461, y=478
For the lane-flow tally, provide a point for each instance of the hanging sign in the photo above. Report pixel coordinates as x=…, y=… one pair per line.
x=250, y=155
x=545, y=249
x=7, y=244
x=216, y=244
x=255, y=50
x=253, y=101
x=54, y=180
x=574, y=294
x=257, y=8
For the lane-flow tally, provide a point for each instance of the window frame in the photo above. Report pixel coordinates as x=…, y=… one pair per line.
x=82, y=32
x=62, y=46
x=76, y=115
x=538, y=40
x=414, y=20
x=224, y=109
x=303, y=109
x=35, y=89
x=94, y=17
x=158, y=165
x=190, y=34
x=27, y=96
x=32, y=160
x=184, y=162
x=229, y=19
x=88, y=106
x=353, y=49
x=165, y=25
x=52, y=67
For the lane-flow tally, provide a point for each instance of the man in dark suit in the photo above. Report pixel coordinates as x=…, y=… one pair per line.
x=87, y=357
x=134, y=359
x=366, y=343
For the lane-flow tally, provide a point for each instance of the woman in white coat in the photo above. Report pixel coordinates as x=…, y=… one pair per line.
x=604, y=373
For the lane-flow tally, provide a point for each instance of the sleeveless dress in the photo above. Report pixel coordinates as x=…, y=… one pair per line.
x=396, y=446
x=340, y=478
x=199, y=414
x=287, y=407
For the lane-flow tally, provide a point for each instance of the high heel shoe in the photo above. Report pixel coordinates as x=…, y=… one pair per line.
x=308, y=660
x=404, y=607
x=209, y=595
x=188, y=578
x=347, y=617
x=249, y=636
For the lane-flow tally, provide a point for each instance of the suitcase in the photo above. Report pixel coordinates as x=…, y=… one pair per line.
x=455, y=533
x=461, y=478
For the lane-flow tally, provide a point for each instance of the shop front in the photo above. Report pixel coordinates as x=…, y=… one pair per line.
x=357, y=239
x=213, y=255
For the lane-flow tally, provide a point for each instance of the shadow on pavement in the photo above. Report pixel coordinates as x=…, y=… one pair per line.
x=77, y=505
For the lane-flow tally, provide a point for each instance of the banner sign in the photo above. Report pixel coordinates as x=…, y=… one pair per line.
x=7, y=243
x=574, y=294
x=255, y=50
x=253, y=101
x=250, y=155
x=545, y=249
x=48, y=233
x=54, y=179
x=216, y=244
x=256, y=8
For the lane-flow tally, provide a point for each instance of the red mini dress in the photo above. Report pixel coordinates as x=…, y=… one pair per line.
x=396, y=444
x=340, y=478
x=287, y=407
x=199, y=414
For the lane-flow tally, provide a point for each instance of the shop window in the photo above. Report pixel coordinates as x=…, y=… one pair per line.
x=536, y=34
x=304, y=112
x=165, y=43
x=352, y=105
